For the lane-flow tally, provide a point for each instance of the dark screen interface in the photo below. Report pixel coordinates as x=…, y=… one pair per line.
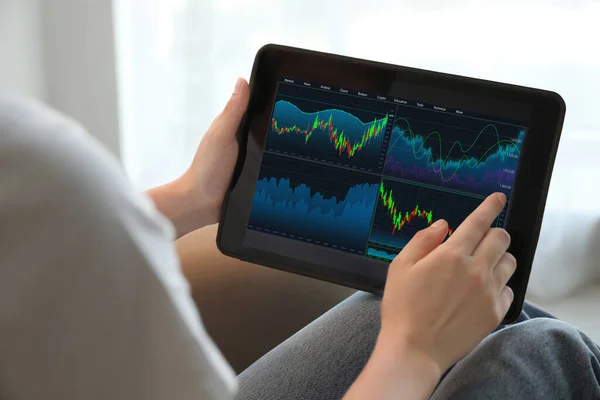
x=363, y=173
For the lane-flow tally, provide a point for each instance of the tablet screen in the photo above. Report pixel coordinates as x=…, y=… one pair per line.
x=363, y=172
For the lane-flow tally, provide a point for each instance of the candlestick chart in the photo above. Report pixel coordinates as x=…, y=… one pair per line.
x=333, y=134
x=404, y=209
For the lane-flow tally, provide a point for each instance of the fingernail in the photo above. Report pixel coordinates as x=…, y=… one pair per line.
x=439, y=223
x=239, y=84
x=502, y=198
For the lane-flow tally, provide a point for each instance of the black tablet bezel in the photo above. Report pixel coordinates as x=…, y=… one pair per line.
x=545, y=111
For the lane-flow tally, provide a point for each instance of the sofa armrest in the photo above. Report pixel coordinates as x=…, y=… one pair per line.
x=249, y=309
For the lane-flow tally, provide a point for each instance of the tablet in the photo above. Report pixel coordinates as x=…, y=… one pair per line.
x=343, y=160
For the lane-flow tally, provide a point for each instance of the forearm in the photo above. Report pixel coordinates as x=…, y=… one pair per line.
x=186, y=210
x=395, y=371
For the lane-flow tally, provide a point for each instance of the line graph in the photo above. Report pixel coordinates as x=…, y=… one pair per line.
x=334, y=134
x=446, y=167
x=314, y=203
x=477, y=160
x=403, y=209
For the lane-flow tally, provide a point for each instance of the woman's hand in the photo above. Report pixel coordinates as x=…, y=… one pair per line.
x=196, y=198
x=440, y=301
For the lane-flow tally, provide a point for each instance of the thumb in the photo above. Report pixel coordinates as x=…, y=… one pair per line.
x=423, y=243
x=229, y=119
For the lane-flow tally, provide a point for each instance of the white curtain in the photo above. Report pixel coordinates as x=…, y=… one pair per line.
x=178, y=61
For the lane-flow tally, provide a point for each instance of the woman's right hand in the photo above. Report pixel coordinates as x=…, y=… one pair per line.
x=439, y=302
x=442, y=300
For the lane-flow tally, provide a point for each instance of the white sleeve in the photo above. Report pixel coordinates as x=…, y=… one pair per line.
x=93, y=304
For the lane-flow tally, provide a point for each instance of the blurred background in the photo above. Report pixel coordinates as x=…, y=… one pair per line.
x=146, y=77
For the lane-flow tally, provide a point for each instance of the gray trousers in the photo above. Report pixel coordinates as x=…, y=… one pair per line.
x=537, y=358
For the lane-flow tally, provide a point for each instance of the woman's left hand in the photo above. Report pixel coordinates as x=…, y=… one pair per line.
x=196, y=198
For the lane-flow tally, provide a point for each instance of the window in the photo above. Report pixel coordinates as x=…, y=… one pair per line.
x=178, y=61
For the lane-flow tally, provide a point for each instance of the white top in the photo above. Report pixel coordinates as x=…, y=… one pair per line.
x=93, y=304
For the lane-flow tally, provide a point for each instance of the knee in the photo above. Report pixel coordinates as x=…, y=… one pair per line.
x=538, y=358
x=540, y=336
x=541, y=330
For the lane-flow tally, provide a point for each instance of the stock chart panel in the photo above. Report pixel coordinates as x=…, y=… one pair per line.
x=404, y=209
x=330, y=127
x=313, y=202
x=453, y=151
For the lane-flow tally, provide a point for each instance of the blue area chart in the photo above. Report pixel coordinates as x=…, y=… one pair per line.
x=383, y=255
x=351, y=138
x=479, y=162
x=334, y=212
